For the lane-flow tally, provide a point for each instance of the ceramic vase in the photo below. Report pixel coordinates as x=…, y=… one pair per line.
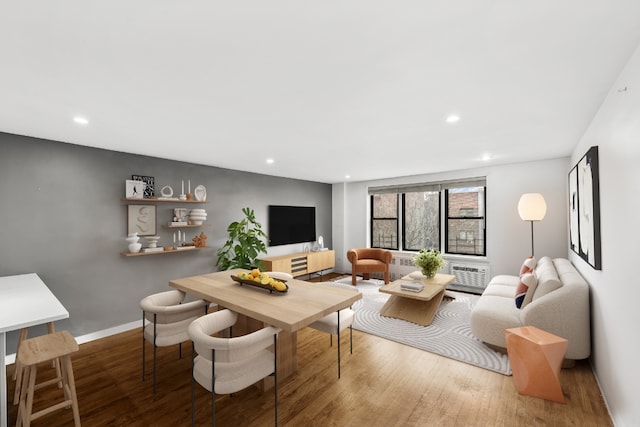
x=134, y=246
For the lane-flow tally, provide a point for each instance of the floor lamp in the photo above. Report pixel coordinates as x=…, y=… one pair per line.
x=532, y=207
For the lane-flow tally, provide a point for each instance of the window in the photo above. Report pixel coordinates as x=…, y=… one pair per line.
x=384, y=221
x=421, y=220
x=465, y=221
x=419, y=207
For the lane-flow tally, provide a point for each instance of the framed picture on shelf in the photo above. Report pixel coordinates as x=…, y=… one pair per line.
x=149, y=189
x=134, y=189
x=141, y=219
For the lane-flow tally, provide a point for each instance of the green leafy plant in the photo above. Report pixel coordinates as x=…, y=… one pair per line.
x=429, y=261
x=246, y=241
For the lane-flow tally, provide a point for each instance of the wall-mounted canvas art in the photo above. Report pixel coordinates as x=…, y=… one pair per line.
x=141, y=219
x=584, y=209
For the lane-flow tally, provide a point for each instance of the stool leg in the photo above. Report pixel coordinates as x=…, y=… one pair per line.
x=17, y=374
x=25, y=407
x=71, y=385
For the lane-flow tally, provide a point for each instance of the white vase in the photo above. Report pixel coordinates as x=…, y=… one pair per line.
x=134, y=246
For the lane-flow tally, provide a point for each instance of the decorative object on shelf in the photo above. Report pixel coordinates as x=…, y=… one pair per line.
x=134, y=189
x=197, y=216
x=200, y=193
x=246, y=241
x=189, y=193
x=584, y=207
x=134, y=246
x=166, y=192
x=153, y=241
x=200, y=241
x=153, y=244
x=141, y=219
x=182, y=196
x=180, y=217
x=429, y=261
x=149, y=188
x=532, y=207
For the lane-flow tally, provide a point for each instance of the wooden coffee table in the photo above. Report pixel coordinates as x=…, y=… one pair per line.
x=416, y=307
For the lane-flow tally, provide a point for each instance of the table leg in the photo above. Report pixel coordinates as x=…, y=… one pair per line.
x=412, y=310
x=3, y=380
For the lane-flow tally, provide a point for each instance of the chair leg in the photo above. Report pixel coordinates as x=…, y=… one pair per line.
x=213, y=387
x=351, y=339
x=193, y=388
x=275, y=375
x=143, y=345
x=338, y=344
x=353, y=277
x=154, y=353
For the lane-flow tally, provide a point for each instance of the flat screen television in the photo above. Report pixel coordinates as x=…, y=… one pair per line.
x=291, y=224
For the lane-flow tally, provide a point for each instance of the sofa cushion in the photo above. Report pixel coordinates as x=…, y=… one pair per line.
x=548, y=280
x=525, y=289
x=528, y=265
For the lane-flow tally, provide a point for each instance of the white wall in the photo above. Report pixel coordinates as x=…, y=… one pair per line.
x=508, y=237
x=614, y=304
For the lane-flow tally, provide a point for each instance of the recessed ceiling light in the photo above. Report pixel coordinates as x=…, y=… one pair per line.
x=452, y=118
x=81, y=120
x=347, y=176
x=486, y=157
x=270, y=161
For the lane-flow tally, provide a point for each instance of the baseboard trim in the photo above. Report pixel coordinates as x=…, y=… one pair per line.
x=82, y=339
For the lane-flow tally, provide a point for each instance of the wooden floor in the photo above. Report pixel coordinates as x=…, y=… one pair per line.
x=383, y=384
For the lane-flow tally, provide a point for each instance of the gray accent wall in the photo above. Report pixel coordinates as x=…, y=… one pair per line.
x=62, y=216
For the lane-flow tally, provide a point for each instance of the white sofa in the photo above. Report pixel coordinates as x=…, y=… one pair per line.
x=559, y=305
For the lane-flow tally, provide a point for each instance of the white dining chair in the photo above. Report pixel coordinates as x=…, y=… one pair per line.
x=336, y=322
x=238, y=361
x=165, y=319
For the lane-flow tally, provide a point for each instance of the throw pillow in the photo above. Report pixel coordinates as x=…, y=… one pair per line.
x=525, y=289
x=528, y=265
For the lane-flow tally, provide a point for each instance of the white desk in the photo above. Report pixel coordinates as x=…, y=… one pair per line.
x=24, y=301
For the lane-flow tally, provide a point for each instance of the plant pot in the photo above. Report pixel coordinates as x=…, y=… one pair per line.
x=429, y=273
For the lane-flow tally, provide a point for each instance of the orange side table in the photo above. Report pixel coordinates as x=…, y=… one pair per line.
x=536, y=359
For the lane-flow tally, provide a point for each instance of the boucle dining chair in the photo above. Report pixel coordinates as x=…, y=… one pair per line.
x=165, y=319
x=336, y=322
x=238, y=362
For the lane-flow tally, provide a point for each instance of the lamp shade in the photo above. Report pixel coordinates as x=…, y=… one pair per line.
x=532, y=207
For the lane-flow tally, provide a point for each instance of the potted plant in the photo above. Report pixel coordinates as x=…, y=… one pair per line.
x=246, y=241
x=429, y=261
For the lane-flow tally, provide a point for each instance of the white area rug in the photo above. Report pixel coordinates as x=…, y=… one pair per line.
x=449, y=335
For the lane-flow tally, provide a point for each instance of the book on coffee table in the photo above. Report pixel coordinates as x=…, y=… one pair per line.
x=411, y=286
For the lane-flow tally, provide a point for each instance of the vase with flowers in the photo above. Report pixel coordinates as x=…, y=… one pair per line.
x=429, y=261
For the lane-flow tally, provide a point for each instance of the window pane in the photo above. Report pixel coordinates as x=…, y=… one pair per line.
x=465, y=221
x=421, y=220
x=466, y=236
x=384, y=233
x=466, y=202
x=385, y=206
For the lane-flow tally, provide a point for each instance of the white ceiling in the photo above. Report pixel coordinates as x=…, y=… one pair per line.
x=325, y=88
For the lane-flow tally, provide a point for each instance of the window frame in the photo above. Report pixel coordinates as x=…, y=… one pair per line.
x=442, y=188
x=482, y=219
x=396, y=219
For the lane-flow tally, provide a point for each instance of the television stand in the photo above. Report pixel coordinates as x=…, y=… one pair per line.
x=301, y=263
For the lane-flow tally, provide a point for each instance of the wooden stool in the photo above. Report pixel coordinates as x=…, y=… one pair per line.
x=33, y=351
x=536, y=358
x=17, y=373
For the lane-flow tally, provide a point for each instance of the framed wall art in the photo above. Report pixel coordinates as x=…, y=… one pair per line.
x=141, y=219
x=134, y=189
x=150, y=186
x=584, y=209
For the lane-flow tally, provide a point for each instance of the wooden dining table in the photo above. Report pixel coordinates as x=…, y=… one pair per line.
x=25, y=301
x=302, y=304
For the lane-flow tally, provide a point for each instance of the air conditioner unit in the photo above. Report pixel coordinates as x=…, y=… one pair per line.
x=472, y=277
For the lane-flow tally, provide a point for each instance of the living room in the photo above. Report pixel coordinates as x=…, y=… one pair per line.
x=64, y=218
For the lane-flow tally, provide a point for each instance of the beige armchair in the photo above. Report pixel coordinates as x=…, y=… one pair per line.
x=369, y=260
